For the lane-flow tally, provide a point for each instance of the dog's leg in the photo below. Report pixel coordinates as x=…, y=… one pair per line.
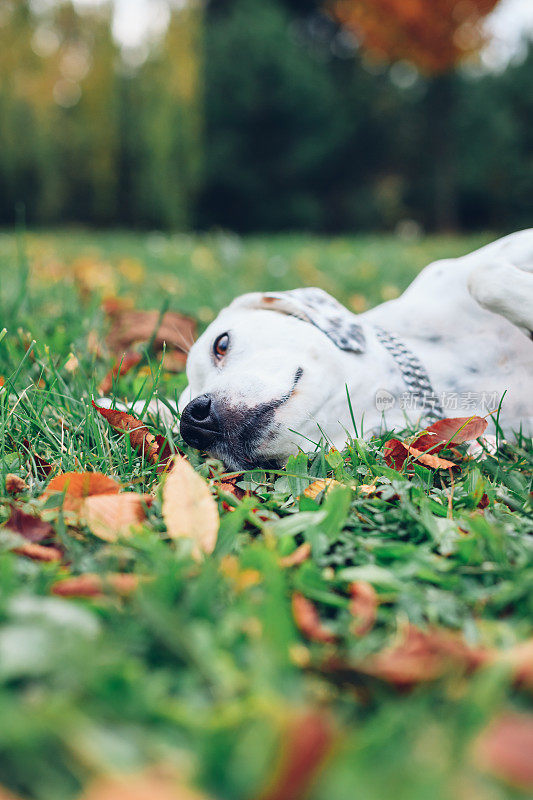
x=505, y=289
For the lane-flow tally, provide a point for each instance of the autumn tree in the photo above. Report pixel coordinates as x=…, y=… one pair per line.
x=436, y=36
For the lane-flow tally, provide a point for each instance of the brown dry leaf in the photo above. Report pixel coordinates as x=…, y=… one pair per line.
x=92, y=585
x=363, y=607
x=308, y=740
x=308, y=620
x=433, y=462
x=297, y=557
x=314, y=489
x=110, y=516
x=505, y=750
x=189, y=509
x=43, y=467
x=15, y=484
x=136, y=429
x=6, y=795
x=122, y=366
x=423, y=655
x=39, y=552
x=152, y=784
x=130, y=327
x=78, y=485
x=367, y=489
x=31, y=528
x=228, y=487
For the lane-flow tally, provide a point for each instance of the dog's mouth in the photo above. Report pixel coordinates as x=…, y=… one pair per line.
x=235, y=434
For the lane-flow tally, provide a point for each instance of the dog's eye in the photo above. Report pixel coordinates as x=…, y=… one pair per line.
x=220, y=347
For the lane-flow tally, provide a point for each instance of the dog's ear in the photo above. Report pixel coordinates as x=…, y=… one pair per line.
x=314, y=306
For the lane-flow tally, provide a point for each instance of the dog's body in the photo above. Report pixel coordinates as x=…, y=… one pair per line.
x=270, y=374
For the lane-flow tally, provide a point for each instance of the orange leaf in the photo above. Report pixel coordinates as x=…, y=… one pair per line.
x=153, y=784
x=140, y=436
x=308, y=621
x=38, y=552
x=189, y=509
x=505, y=749
x=363, y=606
x=396, y=454
x=78, y=485
x=110, y=516
x=297, y=557
x=314, y=489
x=92, y=585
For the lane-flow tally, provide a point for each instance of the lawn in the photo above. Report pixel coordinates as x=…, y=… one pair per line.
x=358, y=631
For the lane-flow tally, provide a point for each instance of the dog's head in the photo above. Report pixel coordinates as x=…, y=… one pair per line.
x=262, y=372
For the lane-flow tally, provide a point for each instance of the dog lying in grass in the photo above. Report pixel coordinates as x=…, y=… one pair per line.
x=277, y=371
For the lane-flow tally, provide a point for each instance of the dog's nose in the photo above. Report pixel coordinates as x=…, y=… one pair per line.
x=200, y=424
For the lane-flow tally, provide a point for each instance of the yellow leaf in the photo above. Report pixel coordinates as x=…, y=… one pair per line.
x=189, y=509
x=314, y=489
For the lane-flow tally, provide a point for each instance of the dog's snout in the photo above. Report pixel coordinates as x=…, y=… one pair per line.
x=200, y=408
x=200, y=423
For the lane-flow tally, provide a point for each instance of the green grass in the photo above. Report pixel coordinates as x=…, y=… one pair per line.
x=203, y=669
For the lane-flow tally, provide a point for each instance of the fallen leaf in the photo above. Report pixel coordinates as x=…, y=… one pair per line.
x=189, y=509
x=307, y=742
x=136, y=429
x=30, y=527
x=76, y=486
x=15, y=484
x=122, y=366
x=72, y=363
x=4, y=794
x=110, y=516
x=314, y=489
x=421, y=656
x=130, y=327
x=229, y=488
x=452, y=432
x=396, y=454
x=297, y=557
x=363, y=606
x=92, y=585
x=43, y=467
x=39, y=552
x=308, y=620
x=505, y=750
x=152, y=784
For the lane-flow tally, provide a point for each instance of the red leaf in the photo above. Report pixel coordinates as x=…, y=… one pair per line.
x=175, y=330
x=307, y=743
x=451, y=432
x=505, y=749
x=396, y=454
x=363, y=606
x=122, y=366
x=31, y=528
x=308, y=621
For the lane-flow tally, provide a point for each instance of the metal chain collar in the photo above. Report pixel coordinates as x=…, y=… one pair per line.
x=413, y=373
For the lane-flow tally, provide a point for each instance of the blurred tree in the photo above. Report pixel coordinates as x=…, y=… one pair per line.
x=435, y=36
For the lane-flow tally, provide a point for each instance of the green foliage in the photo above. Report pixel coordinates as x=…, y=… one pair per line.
x=203, y=667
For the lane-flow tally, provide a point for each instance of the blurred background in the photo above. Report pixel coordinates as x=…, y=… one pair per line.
x=268, y=115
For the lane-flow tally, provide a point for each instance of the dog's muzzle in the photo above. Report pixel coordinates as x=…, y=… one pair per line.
x=200, y=423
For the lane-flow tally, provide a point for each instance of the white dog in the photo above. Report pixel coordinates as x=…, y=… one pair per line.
x=272, y=372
